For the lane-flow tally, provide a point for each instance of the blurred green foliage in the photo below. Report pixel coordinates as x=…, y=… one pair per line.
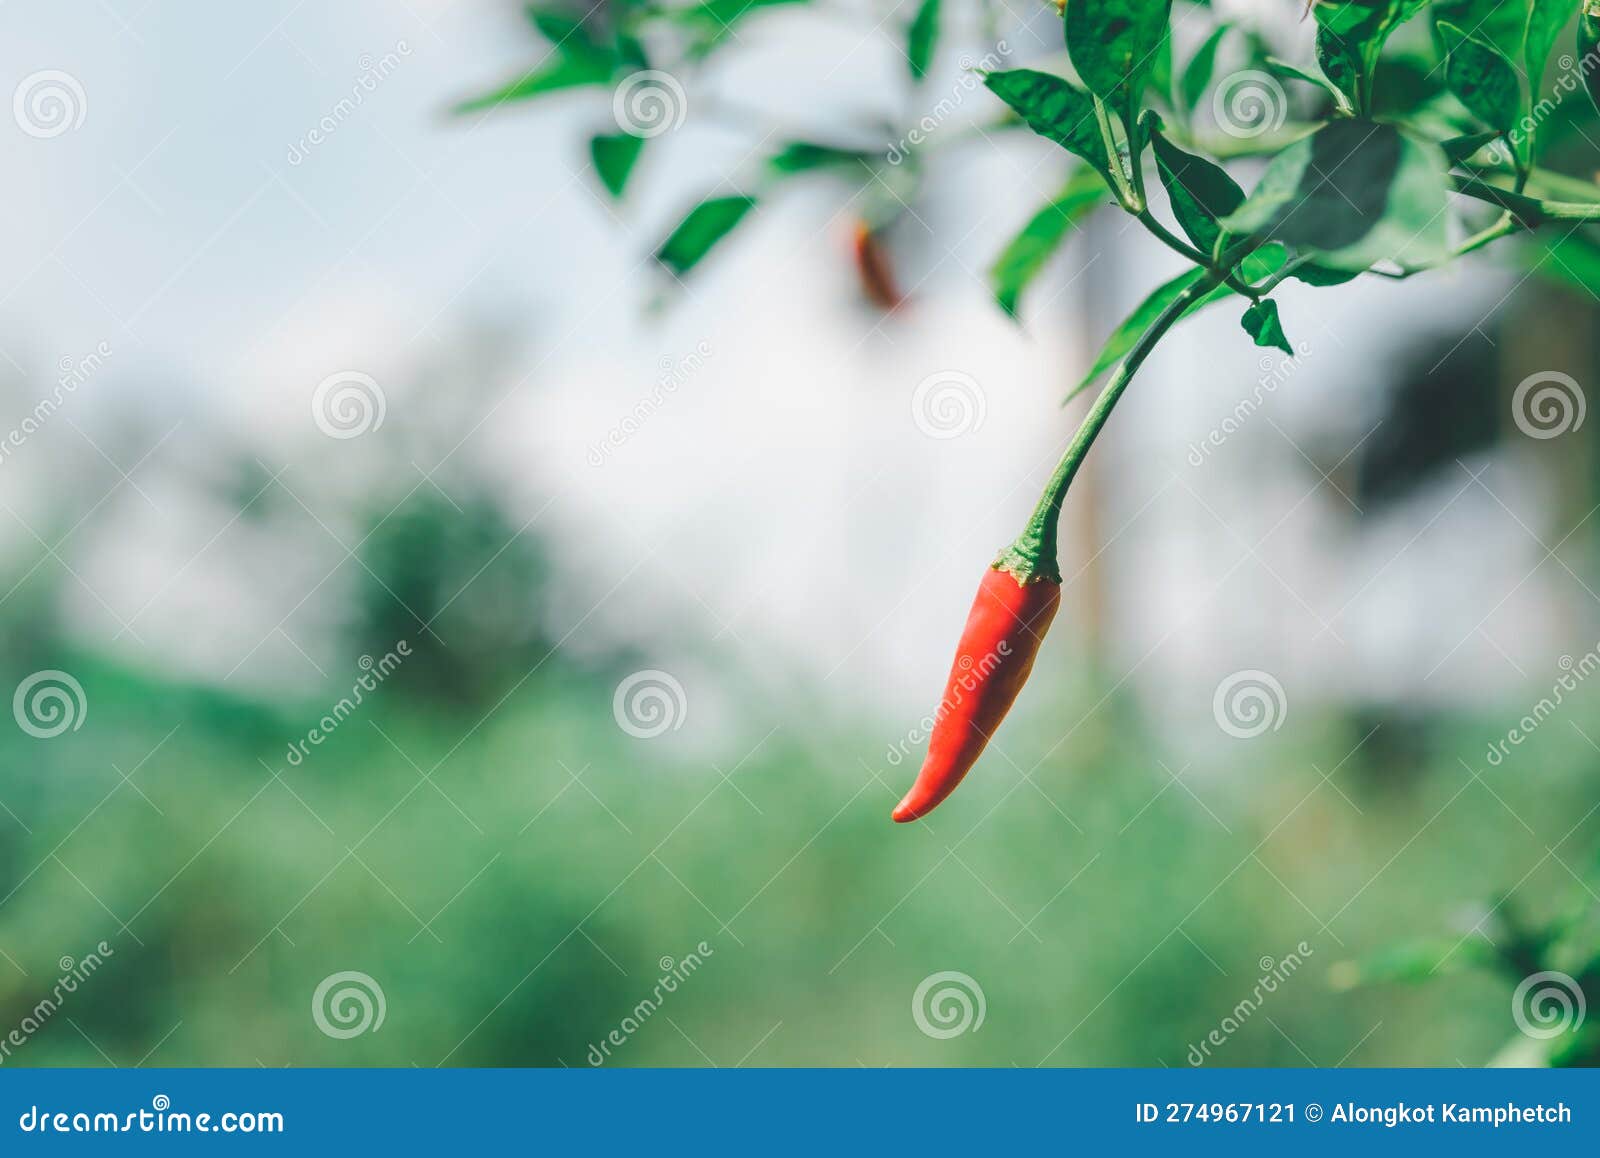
x=511, y=867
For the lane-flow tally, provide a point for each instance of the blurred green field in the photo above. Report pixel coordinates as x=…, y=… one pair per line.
x=512, y=879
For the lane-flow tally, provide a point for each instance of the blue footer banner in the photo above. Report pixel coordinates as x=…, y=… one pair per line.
x=712, y=1112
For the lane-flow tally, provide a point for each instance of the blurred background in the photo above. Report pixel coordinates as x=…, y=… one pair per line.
x=440, y=634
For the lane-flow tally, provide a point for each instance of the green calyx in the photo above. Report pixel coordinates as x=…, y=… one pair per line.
x=1031, y=557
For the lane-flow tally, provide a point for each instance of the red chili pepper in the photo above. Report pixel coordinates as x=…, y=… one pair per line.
x=1017, y=600
x=998, y=645
x=874, y=270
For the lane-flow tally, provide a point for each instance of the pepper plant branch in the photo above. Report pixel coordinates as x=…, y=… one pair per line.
x=1224, y=273
x=1529, y=211
x=1033, y=555
x=1507, y=224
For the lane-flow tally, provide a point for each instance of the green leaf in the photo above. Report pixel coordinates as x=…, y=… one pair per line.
x=1320, y=275
x=1497, y=22
x=557, y=27
x=922, y=37
x=1125, y=335
x=613, y=155
x=1546, y=19
x=1201, y=192
x=806, y=156
x=708, y=223
x=1056, y=109
x=1197, y=74
x=568, y=34
x=1260, y=321
x=1589, y=49
x=1161, y=68
x=1530, y=210
x=713, y=21
x=1351, y=35
x=1485, y=81
x=1459, y=149
x=1284, y=68
x=563, y=73
x=726, y=12
x=1352, y=194
x=1029, y=250
x=1414, y=962
x=1341, y=62
x=1113, y=44
x=1258, y=265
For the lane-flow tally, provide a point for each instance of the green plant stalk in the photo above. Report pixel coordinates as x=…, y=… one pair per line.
x=1528, y=211
x=1175, y=243
x=1125, y=194
x=1032, y=557
x=1507, y=224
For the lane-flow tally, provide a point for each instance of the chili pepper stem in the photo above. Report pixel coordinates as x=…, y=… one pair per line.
x=1031, y=558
